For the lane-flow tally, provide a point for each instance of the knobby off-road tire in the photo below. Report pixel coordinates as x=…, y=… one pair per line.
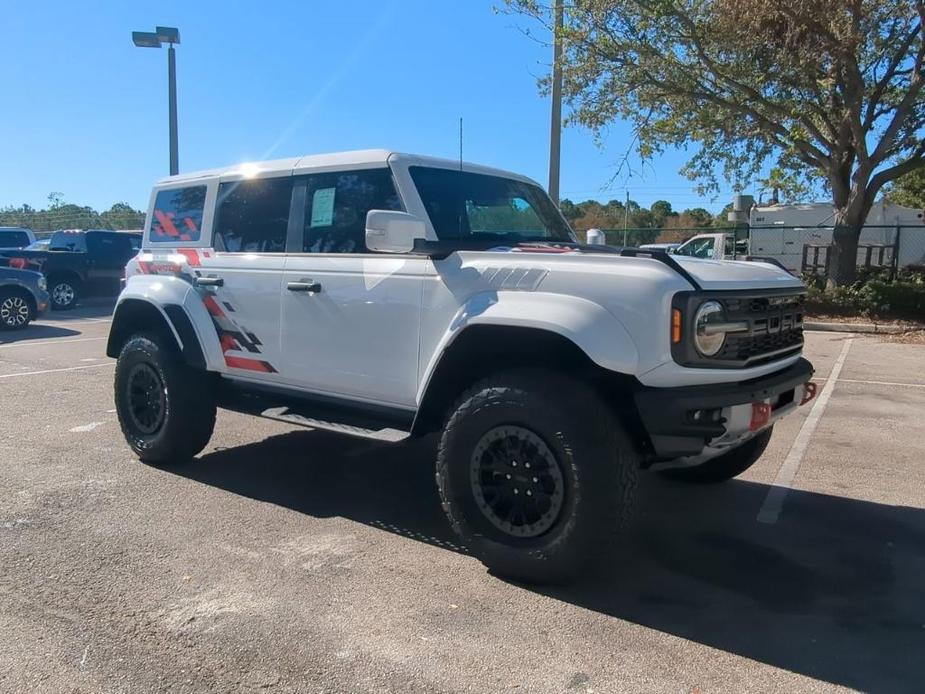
x=724, y=467
x=553, y=421
x=166, y=409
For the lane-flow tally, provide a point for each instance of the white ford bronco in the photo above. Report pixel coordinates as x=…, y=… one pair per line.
x=390, y=296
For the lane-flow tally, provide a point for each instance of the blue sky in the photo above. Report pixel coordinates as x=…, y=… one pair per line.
x=85, y=111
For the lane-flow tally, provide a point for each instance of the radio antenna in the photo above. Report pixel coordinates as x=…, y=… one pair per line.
x=460, y=144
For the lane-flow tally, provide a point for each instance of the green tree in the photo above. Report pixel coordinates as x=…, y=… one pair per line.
x=829, y=89
x=698, y=217
x=909, y=190
x=569, y=209
x=661, y=211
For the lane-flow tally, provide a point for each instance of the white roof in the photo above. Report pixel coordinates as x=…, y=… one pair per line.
x=358, y=159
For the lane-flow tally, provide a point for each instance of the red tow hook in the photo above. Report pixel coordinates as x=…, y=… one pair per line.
x=809, y=392
x=761, y=415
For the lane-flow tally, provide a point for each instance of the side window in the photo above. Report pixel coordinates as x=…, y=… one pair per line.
x=252, y=216
x=698, y=248
x=178, y=214
x=506, y=216
x=336, y=207
x=706, y=249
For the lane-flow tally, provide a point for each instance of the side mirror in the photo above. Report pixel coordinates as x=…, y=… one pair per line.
x=392, y=232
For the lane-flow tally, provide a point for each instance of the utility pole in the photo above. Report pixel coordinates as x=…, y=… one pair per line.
x=172, y=108
x=156, y=39
x=626, y=215
x=555, y=130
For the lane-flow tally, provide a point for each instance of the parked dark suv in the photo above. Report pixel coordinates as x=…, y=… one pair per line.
x=79, y=263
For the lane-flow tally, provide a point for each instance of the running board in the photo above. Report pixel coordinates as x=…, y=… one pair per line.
x=338, y=416
x=386, y=434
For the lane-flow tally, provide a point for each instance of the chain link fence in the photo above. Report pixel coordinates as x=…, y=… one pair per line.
x=44, y=222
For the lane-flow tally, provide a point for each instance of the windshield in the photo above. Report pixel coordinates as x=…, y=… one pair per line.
x=464, y=205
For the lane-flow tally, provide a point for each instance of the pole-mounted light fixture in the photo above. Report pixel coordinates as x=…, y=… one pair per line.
x=155, y=39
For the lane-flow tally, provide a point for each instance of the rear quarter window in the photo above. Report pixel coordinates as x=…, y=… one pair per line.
x=177, y=215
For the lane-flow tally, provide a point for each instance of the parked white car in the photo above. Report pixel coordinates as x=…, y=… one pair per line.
x=385, y=295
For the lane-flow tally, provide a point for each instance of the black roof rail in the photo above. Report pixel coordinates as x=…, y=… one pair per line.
x=662, y=257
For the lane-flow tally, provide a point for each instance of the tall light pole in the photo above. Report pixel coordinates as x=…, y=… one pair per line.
x=555, y=128
x=155, y=39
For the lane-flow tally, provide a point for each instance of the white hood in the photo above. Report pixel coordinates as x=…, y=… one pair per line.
x=737, y=274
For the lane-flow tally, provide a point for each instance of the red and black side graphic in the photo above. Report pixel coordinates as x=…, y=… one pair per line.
x=165, y=225
x=231, y=336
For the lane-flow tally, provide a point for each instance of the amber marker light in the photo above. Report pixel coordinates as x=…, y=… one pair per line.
x=675, y=326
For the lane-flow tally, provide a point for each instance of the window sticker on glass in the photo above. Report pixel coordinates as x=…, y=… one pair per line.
x=323, y=207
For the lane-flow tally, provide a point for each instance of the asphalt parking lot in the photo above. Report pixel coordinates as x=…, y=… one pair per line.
x=297, y=561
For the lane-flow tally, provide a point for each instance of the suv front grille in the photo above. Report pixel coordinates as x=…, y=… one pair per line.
x=775, y=327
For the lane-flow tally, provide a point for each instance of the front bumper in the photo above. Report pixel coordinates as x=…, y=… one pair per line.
x=681, y=422
x=41, y=301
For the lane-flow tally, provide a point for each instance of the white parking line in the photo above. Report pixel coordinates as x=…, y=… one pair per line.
x=86, y=427
x=26, y=343
x=774, y=501
x=883, y=383
x=52, y=371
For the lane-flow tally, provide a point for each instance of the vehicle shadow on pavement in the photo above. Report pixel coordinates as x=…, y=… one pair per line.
x=36, y=331
x=91, y=308
x=834, y=590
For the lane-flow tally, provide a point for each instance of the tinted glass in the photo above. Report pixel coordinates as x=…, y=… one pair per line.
x=13, y=239
x=178, y=214
x=109, y=247
x=253, y=216
x=336, y=207
x=68, y=241
x=464, y=205
x=700, y=248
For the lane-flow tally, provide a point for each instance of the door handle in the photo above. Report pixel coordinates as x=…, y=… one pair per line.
x=304, y=286
x=210, y=282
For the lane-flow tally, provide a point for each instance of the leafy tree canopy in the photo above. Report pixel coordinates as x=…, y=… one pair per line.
x=909, y=190
x=828, y=90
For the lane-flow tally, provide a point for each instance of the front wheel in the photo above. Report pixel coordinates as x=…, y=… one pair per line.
x=15, y=310
x=726, y=466
x=166, y=409
x=535, y=474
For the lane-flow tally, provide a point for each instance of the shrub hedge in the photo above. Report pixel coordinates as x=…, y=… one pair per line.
x=873, y=295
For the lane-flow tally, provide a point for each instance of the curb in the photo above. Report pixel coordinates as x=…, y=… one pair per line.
x=854, y=328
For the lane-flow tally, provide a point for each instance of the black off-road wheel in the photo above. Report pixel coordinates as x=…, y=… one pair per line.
x=64, y=292
x=536, y=475
x=726, y=466
x=15, y=310
x=166, y=409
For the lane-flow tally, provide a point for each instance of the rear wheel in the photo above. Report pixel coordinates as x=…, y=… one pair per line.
x=15, y=310
x=726, y=466
x=64, y=292
x=536, y=474
x=166, y=409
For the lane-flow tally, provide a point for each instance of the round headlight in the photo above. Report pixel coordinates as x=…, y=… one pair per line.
x=43, y=283
x=708, y=343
